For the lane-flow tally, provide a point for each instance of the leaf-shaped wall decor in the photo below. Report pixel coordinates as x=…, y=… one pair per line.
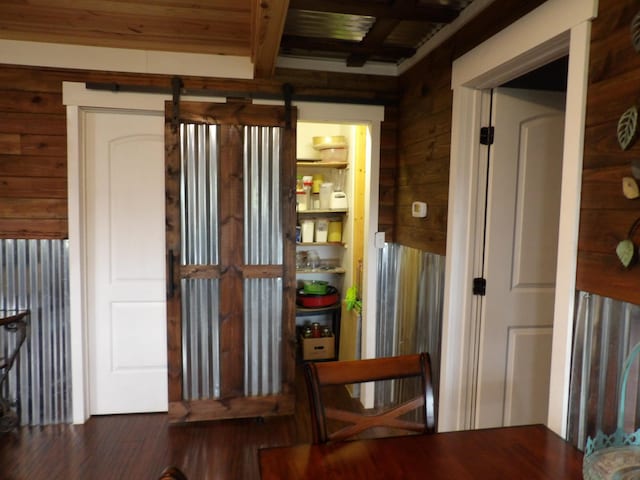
x=627, y=127
x=635, y=32
x=626, y=252
x=626, y=249
x=630, y=188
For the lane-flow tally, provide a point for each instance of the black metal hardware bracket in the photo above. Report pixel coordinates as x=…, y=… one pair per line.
x=287, y=91
x=117, y=87
x=176, y=88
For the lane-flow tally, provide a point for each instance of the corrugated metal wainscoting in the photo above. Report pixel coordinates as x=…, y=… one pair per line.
x=34, y=275
x=605, y=331
x=410, y=297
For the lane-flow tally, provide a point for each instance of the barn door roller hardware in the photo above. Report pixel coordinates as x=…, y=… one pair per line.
x=287, y=92
x=176, y=87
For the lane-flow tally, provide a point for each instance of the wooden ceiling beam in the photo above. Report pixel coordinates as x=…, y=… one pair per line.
x=396, y=10
x=373, y=40
x=266, y=31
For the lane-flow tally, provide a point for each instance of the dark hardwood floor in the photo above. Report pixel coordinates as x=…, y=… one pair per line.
x=140, y=446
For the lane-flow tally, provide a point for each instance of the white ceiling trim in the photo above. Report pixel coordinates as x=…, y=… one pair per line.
x=41, y=54
x=469, y=13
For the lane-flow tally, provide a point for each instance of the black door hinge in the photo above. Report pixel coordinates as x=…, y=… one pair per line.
x=479, y=286
x=486, y=135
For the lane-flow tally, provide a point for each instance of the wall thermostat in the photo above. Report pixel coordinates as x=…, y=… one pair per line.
x=419, y=209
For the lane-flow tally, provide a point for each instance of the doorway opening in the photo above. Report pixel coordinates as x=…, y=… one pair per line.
x=518, y=209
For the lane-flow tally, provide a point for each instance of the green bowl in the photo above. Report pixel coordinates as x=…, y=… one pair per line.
x=316, y=287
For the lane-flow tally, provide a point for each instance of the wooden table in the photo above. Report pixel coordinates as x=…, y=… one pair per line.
x=529, y=452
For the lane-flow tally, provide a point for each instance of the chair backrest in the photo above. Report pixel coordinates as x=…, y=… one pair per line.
x=323, y=374
x=172, y=473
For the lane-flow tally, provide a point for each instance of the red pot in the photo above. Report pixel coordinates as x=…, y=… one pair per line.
x=310, y=300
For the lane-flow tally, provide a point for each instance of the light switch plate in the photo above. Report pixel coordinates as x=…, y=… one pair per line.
x=419, y=209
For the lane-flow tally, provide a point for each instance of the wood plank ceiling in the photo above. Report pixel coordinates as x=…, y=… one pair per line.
x=351, y=31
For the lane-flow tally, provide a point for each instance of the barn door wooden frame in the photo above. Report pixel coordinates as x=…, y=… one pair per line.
x=231, y=271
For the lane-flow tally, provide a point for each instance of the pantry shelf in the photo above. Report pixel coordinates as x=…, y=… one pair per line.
x=337, y=270
x=319, y=244
x=322, y=211
x=319, y=164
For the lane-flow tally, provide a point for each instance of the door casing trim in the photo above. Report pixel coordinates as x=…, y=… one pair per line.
x=556, y=28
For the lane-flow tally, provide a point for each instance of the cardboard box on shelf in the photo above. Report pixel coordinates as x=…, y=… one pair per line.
x=321, y=348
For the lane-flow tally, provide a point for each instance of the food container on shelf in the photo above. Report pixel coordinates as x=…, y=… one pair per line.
x=322, y=348
x=308, y=227
x=331, y=148
x=301, y=201
x=316, y=287
x=311, y=300
x=334, y=154
x=335, y=232
x=338, y=201
x=318, y=180
x=326, y=189
x=322, y=230
x=330, y=141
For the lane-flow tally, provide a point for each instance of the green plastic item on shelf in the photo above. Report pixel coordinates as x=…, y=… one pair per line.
x=316, y=287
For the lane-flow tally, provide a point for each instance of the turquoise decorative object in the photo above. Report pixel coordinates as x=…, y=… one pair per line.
x=615, y=456
x=627, y=127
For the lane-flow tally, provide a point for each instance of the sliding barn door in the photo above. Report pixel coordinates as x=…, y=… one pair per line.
x=230, y=255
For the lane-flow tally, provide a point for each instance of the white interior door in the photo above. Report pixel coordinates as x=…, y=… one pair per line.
x=523, y=207
x=125, y=261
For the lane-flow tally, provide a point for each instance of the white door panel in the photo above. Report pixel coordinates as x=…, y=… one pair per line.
x=538, y=201
x=527, y=388
x=125, y=245
x=523, y=207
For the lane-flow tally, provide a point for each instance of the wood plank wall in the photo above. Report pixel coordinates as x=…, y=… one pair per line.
x=424, y=128
x=33, y=141
x=606, y=215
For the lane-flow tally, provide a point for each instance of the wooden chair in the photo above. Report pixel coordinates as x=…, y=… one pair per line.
x=319, y=375
x=172, y=473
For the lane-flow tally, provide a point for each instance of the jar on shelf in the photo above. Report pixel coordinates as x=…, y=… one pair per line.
x=316, y=331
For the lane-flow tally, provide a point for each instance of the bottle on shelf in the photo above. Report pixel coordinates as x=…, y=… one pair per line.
x=307, y=184
x=301, y=202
